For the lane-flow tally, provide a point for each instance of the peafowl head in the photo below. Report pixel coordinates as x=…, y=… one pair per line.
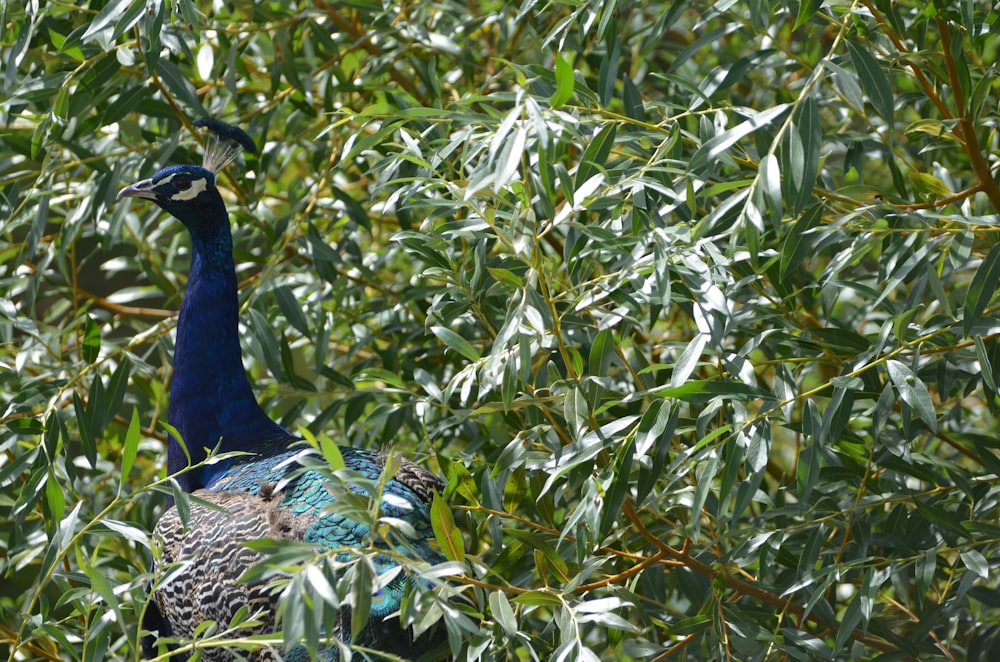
x=186, y=192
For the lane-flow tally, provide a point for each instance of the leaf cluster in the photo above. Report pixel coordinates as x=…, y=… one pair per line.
x=694, y=308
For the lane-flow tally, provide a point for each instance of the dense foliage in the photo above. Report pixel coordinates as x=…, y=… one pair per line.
x=694, y=307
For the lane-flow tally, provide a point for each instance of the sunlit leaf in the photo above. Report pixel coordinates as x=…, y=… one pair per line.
x=720, y=144
x=564, y=80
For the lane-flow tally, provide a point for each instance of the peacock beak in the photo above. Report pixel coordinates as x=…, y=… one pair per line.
x=143, y=189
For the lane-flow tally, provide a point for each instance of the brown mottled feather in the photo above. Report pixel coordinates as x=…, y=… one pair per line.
x=212, y=546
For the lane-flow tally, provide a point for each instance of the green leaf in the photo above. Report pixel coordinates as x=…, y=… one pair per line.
x=621, y=484
x=456, y=342
x=925, y=568
x=502, y=613
x=109, y=14
x=576, y=412
x=86, y=436
x=178, y=86
x=54, y=497
x=705, y=474
x=850, y=622
x=656, y=430
x=538, y=599
x=267, y=343
x=91, y=340
x=565, y=80
x=25, y=426
x=807, y=9
x=715, y=147
x=984, y=286
x=798, y=241
x=331, y=453
x=703, y=391
x=361, y=589
x=129, y=449
x=117, y=387
x=873, y=81
x=986, y=369
x=596, y=155
x=810, y=134
x=292, y=310
x=602, y=352
x=449, y=537
x=976, y=562
x=770, y=178
x=913, y=392
x=688, y=360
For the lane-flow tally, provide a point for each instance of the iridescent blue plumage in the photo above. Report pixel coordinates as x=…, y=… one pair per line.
x=268, y=492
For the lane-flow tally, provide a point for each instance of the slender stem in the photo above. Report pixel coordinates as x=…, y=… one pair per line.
x=927, y=86
x=965, y=123
x=742, y=587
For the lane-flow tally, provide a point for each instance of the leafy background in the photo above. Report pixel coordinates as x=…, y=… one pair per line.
x=693, y=306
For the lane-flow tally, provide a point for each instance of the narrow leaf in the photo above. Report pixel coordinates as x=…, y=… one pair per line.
x=445, y=531
x=595, y=156
x=455, y=342
x=796, y=243
x=619, y=489
x=984, y=286
x=576, y=412
x=130, y=449
x=811, y=138
x=873, y=81
x=717, y=146
x=538, y=598
x=913, y=392
x=502, y=613
x=54, y=497
x=703, y=391
x=976, y=562
x=565, y=80
x=91, y=340
x=291, y=309
x=331, y=453
x=83, y=426
x=986, y=369
x=688, y=360
x=108, y=15
x=770, y=177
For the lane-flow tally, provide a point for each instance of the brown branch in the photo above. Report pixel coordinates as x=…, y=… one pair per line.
x=919, y=75
x=967, y=128
x=366, y=43
x=942, y=202
x=668, y=654
x=126, y=311
x=959, y=446
x=11, y=638
x=637, y=568
x=742, y=587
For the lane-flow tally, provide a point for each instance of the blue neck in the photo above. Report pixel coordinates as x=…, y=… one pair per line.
x=210, y=396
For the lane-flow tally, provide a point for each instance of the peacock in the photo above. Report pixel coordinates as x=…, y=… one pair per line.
x=262, y=488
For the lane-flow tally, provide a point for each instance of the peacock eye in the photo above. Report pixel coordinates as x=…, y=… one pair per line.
x=181, y=182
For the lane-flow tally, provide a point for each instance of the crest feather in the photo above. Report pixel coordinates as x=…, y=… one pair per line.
x=223, y=143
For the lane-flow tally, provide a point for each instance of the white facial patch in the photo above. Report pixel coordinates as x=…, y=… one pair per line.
x=196, y=188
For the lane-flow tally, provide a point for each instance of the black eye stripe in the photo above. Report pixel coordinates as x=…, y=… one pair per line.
x=181, y=182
